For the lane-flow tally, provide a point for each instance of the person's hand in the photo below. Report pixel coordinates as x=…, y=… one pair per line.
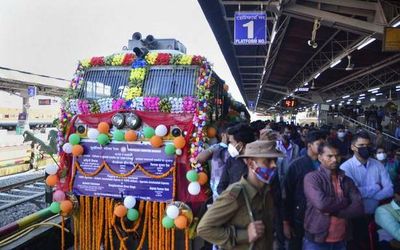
x=287, y=230
x=255, y=230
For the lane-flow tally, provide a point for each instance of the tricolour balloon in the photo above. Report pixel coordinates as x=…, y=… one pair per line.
x=161, y=130
x=67, y=148
x=51, y=169
x=129, y=201
x=172, y=211
x=93, y=133
x=194, y=188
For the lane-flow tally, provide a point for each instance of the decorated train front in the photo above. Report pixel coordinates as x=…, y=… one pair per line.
x=130, y=129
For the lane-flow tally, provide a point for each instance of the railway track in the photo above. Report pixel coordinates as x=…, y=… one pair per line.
x=21, y=192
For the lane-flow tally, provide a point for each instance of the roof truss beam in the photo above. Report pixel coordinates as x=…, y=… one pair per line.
x=333, y=20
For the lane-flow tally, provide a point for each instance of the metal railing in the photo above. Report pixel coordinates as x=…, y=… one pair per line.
x=388, y=138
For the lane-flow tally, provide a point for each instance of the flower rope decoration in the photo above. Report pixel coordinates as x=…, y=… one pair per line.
x=133, y=170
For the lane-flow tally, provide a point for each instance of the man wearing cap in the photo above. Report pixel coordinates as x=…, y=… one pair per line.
x=242, y=216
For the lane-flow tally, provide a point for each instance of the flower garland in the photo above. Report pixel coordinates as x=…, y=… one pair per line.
x=83, y=106
x=133, y=170
x=200, y=117
x=151, y=103
x=118, y=104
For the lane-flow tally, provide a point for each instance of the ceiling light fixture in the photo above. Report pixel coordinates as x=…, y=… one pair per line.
x=374, y=89
x=368, y=41
x=335, y=63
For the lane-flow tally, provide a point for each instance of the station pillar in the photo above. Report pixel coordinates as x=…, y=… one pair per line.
x=24, y=123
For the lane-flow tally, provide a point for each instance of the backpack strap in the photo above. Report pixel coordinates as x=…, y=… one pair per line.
x=249, y=211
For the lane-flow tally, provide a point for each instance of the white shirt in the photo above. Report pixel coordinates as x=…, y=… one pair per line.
x=367, y=179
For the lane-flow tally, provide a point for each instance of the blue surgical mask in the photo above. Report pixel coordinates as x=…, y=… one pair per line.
x=223, y=145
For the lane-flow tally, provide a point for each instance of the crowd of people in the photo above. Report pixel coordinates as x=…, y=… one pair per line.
x=281, y=186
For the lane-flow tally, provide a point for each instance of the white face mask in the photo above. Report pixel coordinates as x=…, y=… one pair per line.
x=341, y=134
x=233, y=152
x=381, y=156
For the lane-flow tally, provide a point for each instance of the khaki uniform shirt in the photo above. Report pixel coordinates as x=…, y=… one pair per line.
x=225, y=222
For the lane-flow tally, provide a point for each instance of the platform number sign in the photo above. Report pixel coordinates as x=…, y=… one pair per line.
x=250, y=28
x=32, y=91
x=251, y=105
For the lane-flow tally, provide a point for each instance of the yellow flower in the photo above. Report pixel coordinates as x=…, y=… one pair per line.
x=151, y=58
x=185, y=60
x=117, y=60
x=85, y=63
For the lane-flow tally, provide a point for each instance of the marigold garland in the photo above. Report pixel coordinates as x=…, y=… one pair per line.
x=62, y=232
x=136, y=167
x=100, y=223
x=94, y=225
x=186, y=239
x=109, y=222
x=146, y=218
x=81, y=216
x=76, y=231
x=149, y=228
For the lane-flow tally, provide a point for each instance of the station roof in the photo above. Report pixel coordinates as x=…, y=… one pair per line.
x=335, y=68
x=17, y=82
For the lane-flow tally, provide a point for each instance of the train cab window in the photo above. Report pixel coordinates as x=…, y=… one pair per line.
x=104, y=82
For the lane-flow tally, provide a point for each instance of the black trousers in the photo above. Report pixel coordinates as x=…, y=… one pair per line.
x=296, y=242
x=361, y=239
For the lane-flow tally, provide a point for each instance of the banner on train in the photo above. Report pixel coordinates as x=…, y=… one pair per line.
x=121, y=158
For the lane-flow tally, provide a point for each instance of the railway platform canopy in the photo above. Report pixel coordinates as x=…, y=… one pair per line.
x=17, y=82
x=316, y=51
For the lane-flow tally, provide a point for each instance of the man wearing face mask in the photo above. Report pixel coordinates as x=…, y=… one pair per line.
x=286, y=145
x=391, y=165
x=294, y=200
x=218, y=154
x=242, y=216
x=373, y=182
x=328, y=209
x=342, y=141
x=238, y=135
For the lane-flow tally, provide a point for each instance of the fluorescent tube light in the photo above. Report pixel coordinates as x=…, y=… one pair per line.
x=371, y=90
x=317, y=75
x=346, y=96
x=368, y=41
x=335, y=63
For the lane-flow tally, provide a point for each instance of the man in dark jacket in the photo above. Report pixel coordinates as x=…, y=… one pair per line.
x=295, y=201
x=332, y=199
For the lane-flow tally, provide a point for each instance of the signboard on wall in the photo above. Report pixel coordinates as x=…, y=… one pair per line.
x=250, y=28
x=391, y=39
x=44, y=101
